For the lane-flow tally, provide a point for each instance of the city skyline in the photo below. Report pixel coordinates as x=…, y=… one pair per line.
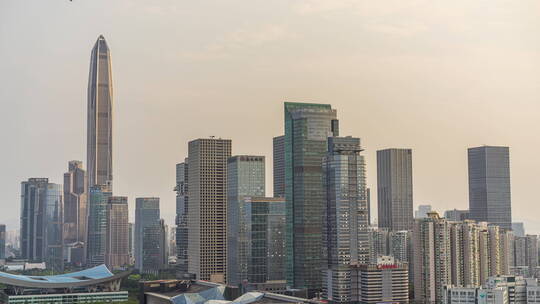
x=428, y=186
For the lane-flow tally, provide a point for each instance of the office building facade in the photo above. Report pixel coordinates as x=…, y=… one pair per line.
x=307, y=128
x=245, y=178
x=75, y=201
x=98, y=198
x=2, y=241
x=42, y=222
x=422, y=211
x=207, y=212
x=395, y=189
x=117, y=244
x=154, y=248
x=386, y=281
x=279, y=166
x=182, y=240
x=53, y=220
x=456, y=215
x=489, y=185
x=346, y=235
x=146, y=214
x=258, y=253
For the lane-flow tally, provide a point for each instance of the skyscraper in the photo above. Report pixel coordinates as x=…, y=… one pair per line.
x=100, y=111
x=117, y=247
x=33, y=193
x=154, y=247
x=207, y=212
x=346, y=235
x=41, y=222
x=75, y=196
x=53, y=219
x=422, y=211
x=2, y=241
x=432, y=258
x=182, y=242
x=307, y=128
x=131, y=228
x=395, y=189
x=279, y=166
x=245, y=178
x=489, y=185
x=98, y=198
x=146, y=214
x=256, y=247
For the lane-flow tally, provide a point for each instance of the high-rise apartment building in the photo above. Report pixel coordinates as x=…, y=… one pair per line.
x=399, y=245
x=100, y=120
x=182, y=241
x=279, y=166
x=256, y=250
x=245, y=178
x=117, y=241
x=395, y=189
x=526, y=251
x=346, y=236
x=460, y=254
x=42, y=222
x=98, y=198
x=379, y=243
x=489, y=185
x=75, y=200
x=431, y=258
x=2, y=241
x=422, y=211
x=146, y=214
x=207, y=212
x=307, y=128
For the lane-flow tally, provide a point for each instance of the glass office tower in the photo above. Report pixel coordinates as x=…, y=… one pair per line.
x=146, y=214
x=33, y=193
x=489, y=185
x=257, y=254
x=245, y=177
x=98, y=197
x=53, y=228
x=307, y=128
x=279, y=166
x=2, y=241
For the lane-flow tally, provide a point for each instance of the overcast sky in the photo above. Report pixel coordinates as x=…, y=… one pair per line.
x=436, y=76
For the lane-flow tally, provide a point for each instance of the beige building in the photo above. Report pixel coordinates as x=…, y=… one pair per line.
x=460, y=254
x=207, y=211
x=117, y=237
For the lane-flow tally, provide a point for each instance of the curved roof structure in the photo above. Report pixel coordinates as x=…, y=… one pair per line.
x=87, y=277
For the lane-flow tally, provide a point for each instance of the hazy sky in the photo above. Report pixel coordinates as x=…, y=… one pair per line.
x=436, y=76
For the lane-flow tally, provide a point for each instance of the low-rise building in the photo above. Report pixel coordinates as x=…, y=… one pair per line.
x=93, y=285
x=387, y=281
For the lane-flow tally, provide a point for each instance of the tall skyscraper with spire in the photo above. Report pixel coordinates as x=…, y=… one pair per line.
x=100, y=110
